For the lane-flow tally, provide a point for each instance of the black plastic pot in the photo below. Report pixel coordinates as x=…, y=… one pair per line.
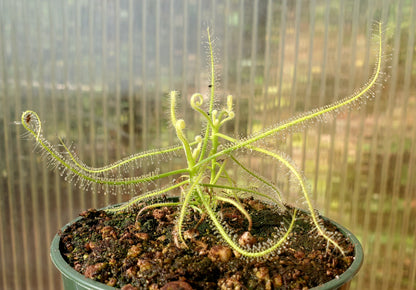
x=74, y=280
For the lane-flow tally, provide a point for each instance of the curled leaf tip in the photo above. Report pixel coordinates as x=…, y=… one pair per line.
x=180, y=124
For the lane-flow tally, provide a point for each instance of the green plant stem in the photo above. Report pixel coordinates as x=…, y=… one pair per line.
x=57, y=157
x=240, y=189
x=234, y=245
x=309, y=116
x=194, y=183
x=155, y=205
x=257, y=176
x=179, y=125
x=219, y=173
x=187, y=148
x=214, y=140
x=211, y=100
x=305, y=193
x=239, y=207
x=137, y=199
x=122, y=162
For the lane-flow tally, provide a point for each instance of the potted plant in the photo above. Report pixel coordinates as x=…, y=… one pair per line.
x=225, y=227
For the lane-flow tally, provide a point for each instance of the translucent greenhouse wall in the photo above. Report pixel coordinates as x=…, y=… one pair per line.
x=98, y=73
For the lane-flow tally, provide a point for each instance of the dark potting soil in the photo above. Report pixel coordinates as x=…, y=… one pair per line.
x=132, y=251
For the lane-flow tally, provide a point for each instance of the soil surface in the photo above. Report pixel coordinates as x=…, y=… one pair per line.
x=132, y=251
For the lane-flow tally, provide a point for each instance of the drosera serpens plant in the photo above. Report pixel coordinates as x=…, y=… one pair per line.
x=206, y=180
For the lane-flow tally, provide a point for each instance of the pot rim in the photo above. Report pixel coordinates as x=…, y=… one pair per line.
x=70, y=273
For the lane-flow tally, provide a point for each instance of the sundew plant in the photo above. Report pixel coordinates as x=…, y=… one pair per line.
x=211, y=157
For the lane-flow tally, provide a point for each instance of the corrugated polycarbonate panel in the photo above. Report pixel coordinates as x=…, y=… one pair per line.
x=98, y=73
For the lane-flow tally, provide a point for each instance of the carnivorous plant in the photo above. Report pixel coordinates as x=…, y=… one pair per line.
x=206, y=179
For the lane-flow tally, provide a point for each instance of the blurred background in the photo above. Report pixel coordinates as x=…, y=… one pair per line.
x=98, y=73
